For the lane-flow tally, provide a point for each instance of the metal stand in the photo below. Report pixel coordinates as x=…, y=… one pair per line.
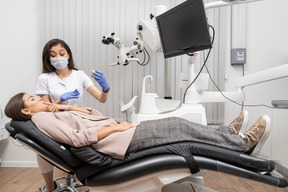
x=70, y=184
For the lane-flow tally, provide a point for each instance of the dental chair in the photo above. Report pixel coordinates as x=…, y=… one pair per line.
x=146, y=170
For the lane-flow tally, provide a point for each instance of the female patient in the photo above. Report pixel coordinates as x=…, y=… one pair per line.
x=79, y=126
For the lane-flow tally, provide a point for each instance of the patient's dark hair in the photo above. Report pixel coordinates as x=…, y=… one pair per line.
x=14, y=106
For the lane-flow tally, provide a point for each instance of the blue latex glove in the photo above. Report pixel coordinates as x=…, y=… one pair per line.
x=100, y=78
x=70, y=95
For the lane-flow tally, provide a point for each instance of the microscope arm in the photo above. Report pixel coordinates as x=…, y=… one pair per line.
x=147, y=31
x=262, y=76
x=125, y=54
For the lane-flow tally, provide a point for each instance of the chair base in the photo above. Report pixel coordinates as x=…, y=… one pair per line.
x=152, y=182
x=70, y=184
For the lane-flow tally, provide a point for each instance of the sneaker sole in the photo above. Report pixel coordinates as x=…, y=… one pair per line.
x=263, y=139
x=245, y=122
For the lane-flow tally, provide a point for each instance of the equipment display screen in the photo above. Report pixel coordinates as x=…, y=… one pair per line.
x=183, y=29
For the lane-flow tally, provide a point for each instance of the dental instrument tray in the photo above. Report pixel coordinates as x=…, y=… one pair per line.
x=280, y=104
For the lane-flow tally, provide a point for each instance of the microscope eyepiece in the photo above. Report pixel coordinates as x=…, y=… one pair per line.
x=104, y=41
x=107, y=40
x=110, y=40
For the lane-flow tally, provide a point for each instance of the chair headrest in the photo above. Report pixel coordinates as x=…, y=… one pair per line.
x=11, y=130
x=61, y=150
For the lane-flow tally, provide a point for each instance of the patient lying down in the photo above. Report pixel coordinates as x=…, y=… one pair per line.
x=80, y=126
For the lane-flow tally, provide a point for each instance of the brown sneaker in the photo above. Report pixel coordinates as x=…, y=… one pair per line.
x=257, y=134
x=239, y=124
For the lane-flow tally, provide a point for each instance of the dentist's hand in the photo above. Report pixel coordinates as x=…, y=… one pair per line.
x=70, y=95
x=100, y=78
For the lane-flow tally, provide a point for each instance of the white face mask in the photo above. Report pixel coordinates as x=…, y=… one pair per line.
x=59, y=63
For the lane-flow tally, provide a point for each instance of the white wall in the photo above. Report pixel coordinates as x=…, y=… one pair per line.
x=21, y=45
x=20, y=54
x=267, y=42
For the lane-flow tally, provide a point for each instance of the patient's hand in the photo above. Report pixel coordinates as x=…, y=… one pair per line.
x=52, y=107
x=106, y=131
x=123, y=126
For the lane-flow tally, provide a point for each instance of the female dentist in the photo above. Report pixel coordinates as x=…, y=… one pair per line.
x=62, y=82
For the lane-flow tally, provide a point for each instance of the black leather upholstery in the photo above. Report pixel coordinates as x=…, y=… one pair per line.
x=95, y=169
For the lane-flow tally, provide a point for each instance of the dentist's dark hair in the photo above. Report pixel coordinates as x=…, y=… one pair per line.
x=46, y=64
x=14, y=107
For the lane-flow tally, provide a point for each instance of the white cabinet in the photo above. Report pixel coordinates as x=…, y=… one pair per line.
x=279, y=133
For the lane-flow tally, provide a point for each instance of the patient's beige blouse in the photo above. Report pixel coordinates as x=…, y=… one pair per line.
x=79, y=129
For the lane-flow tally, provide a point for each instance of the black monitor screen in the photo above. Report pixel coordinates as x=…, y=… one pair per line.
x=183, y=29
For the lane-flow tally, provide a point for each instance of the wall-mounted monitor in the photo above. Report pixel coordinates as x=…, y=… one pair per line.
x=184, y=29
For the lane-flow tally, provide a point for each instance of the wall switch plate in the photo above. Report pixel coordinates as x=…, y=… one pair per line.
x=238, y=56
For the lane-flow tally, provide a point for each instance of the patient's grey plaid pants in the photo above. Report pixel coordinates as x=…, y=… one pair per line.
x=154, y=133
